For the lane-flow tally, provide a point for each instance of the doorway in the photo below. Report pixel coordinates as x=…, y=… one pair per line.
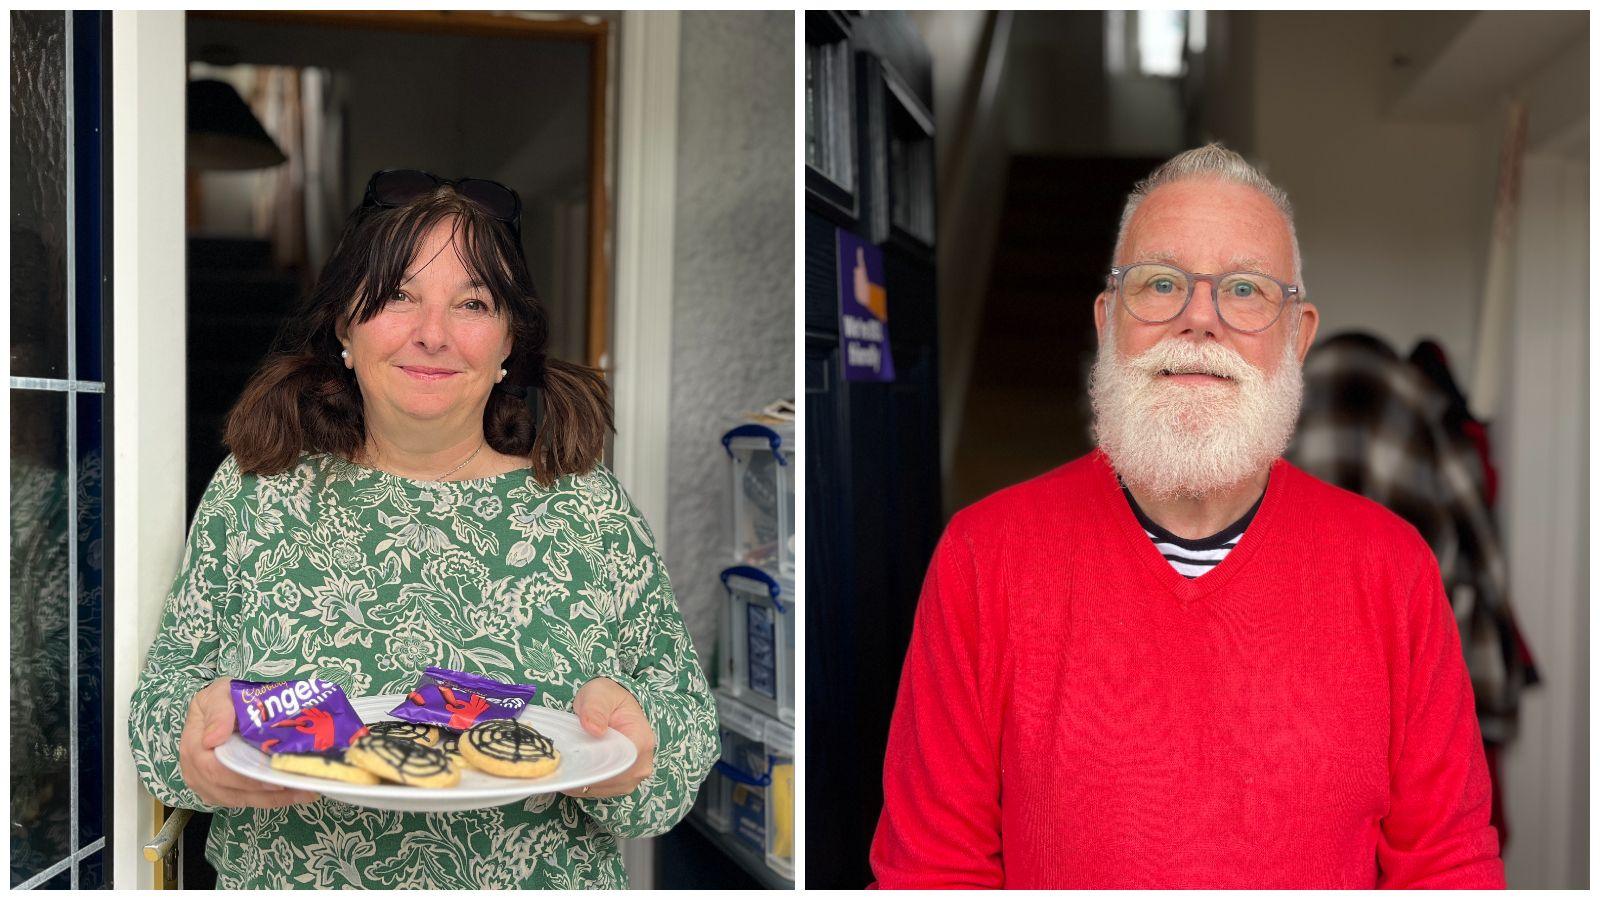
x=518, y=99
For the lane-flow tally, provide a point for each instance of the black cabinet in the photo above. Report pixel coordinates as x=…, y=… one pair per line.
x=873, y=511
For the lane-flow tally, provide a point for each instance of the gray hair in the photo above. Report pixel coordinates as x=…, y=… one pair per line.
x=1211, y=161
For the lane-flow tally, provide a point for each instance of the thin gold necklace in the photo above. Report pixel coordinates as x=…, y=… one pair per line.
x=461, y=465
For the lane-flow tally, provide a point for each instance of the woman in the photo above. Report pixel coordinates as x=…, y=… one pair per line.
x=413, y=483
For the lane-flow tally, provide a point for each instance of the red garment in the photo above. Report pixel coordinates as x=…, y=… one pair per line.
x=1075, y=713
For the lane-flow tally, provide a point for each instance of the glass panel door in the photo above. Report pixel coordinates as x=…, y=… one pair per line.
x=58, y=554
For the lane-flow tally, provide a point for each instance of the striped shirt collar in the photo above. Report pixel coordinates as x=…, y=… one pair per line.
x=1217, y=541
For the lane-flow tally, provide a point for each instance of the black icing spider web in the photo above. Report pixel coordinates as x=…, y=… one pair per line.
x=409, y=758
x=509, y=741
x=408, y=730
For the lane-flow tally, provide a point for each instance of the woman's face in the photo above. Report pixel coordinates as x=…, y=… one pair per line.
x=436, y=348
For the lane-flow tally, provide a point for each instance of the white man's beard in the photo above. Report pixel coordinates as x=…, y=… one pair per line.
x=1190, y=440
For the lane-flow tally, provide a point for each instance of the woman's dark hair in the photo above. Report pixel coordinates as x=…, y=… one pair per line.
x=303, y=399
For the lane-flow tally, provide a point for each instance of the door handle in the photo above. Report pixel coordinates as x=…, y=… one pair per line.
x=167, y=838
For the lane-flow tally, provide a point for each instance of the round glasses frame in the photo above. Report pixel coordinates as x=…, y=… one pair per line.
x=1291, y=294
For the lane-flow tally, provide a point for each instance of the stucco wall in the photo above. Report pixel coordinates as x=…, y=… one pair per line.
x=733, y=276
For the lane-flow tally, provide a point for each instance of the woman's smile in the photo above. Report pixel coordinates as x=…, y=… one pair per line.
x=428, y=373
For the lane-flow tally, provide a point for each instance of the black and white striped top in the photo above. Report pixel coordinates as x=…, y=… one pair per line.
x=1197, y=557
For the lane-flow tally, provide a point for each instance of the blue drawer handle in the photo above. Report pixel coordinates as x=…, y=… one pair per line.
x=760, y=431
x=755, y=574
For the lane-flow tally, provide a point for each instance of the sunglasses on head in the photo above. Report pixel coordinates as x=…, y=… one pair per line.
x=397, y=187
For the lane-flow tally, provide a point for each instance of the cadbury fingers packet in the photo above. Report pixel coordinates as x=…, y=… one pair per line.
x=295, y=716
x=459, y=700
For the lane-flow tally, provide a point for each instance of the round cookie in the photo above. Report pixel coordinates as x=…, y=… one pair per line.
x=426, y=735
x=402, y=760
x=509, y=748
x=323, y=765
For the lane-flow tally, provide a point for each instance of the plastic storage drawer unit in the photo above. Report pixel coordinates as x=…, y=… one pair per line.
x=758, y=629
x=764, y=460
x=750, y=793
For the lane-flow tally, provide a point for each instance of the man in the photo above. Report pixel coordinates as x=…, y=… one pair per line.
x=1180, y=661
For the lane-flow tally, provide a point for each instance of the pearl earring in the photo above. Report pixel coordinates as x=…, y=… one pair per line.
x=502, y=376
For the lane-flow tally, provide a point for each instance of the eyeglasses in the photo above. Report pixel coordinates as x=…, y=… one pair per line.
x=1248, y=302
x=397, y=187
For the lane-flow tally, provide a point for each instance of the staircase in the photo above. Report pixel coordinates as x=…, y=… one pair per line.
x=1027, y=405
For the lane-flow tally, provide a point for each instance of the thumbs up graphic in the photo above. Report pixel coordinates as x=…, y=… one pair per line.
x=863, y=287
x=869, y=295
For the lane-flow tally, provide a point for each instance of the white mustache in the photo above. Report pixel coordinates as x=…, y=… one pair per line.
x=1179, y=356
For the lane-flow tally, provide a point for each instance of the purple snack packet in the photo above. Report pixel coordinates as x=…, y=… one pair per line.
x=459, y=700
x=295, y=716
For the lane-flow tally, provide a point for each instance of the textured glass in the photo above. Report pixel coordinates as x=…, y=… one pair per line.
x=40, y=761
x=38, y=195
x=61, y=881
x=91, y=577
x=92, y=871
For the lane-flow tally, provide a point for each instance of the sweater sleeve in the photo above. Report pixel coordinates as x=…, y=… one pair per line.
x=184, y=656
x=940, y=826
x=1437, y=833
x=657, y=663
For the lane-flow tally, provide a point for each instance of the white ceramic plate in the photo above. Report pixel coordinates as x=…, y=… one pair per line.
x=584, y=760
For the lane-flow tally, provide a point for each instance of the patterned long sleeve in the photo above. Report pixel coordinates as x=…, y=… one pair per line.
x=184, y=657
x=656, y=661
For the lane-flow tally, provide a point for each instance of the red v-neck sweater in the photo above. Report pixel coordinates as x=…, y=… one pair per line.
x=1075, y=713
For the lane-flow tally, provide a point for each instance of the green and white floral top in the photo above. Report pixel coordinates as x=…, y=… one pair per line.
x=365, y=578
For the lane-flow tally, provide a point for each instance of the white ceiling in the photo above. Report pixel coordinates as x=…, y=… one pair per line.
x=1459, y=64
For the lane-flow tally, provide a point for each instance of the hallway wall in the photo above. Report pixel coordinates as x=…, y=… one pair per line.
x=1393, y=213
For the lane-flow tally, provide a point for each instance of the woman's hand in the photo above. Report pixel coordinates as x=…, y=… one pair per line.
x=209, y=724
x=603, y=703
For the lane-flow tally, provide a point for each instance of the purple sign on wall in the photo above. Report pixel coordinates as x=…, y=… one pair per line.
x=863, y=311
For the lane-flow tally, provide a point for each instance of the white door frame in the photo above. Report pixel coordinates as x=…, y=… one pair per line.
x=147, y=381
x=1545, y=455
x=647, y=167
x=148, y=372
